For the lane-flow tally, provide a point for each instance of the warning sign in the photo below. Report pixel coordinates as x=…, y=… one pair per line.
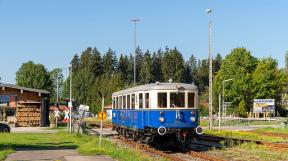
x=102, y=115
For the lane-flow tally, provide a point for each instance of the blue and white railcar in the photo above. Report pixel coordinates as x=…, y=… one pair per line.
x=157, y=110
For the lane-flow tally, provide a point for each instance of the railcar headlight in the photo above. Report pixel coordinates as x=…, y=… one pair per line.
x=161, y=113
x=161, y=119
x=192, y=119
x=192, y=112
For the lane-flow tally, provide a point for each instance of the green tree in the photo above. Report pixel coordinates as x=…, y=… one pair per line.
x=146, y=69
x=187, y=77
x=123, y=67
x=75, y=63
x=239, y=66
x=57, y=72
x=217, y=63
x=33, y=75
x=268, y=81
x=157, y=66
x=96, y=62
x=109, y=62
x=202, y=75
x=193, y=68
x=173, y=65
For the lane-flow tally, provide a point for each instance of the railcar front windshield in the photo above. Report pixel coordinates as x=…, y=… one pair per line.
x=177, y=100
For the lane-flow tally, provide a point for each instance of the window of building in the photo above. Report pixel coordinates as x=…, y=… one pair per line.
x=140, y=100
x=162, y=100
x=191, y=100
x=133, y=101
x=124, y=102
x=120, y=102
x=146, y=100
x=177, y=100
x=128, y=101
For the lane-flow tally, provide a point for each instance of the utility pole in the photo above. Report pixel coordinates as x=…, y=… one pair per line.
x=219, y=100
x=70, y=103
x=209, y=11
x=135, y=24
x=57, y=99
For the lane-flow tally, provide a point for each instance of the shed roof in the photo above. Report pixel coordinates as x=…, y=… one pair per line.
x=158, y=86
x=23, y=88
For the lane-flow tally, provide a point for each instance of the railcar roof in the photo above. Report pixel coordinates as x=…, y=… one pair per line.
x=158, y=86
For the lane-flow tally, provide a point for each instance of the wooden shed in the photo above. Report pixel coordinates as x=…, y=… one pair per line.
x=26, y=107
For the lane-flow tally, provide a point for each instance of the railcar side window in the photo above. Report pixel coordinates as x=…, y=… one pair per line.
x=120, y=102
x=146, y=100
x=191, y=98
x=140, y=100
x=133, y=101
x=128, y=101
x=113, y=104
x=124, y=102
x=162, y=100
x=116, y=103
x=177, y=100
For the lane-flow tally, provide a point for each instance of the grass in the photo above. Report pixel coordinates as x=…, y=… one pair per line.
x=273, y=130
x=95, y=121
x=251, y=151
x=85, y=144
x=246, y=135
x=204, y=123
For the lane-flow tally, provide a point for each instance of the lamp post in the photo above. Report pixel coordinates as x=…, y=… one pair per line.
x=135, y=24
x=223, y=95
x=209, y=11
x=70, y=103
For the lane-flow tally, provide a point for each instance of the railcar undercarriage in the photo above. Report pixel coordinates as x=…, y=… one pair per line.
x=150, y=135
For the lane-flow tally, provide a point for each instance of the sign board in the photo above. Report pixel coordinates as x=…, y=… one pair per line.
x=56, y=113
x=70, y=104
x=66, y=117
x=264, y=105
x=102, y=115
x=3, y=104
x=83, y=108
x=4, y=99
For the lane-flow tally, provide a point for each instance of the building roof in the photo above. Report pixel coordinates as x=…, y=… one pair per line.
x=24, y=88
x=158, y=86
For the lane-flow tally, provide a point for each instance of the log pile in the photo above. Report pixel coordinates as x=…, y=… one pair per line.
x=28, y=115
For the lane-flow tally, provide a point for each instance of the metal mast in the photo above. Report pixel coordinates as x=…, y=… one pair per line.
x=135, y=24
x=209, y=11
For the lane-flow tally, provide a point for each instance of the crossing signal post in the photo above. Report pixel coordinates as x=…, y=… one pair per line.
x=102, y=115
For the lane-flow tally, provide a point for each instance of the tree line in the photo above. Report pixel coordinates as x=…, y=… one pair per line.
x=94, y=72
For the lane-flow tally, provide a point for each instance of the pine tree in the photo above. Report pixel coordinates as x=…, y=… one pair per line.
x=123, y=67
x=109, y=62
x=173, y=65
x=146, y=69
x=97, y=63
x=157, y=66
x=193, y=68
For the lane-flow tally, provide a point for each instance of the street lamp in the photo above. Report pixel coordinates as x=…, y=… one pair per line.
x=223, y=95
x=135, y=24
x=209, y=11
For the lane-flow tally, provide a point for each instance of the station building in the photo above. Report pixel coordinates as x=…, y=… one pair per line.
x=24, y=107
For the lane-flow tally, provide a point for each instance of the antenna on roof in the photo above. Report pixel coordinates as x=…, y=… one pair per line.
x=170, y=80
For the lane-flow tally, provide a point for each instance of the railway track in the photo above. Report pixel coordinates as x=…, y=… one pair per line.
x=168, y=154
x=233, y=141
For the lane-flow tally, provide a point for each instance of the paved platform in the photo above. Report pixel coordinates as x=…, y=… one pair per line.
x=52, y=155
x=105, y=131
x=32, y=130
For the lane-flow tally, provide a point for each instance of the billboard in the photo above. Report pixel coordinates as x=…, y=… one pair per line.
x=264, y=105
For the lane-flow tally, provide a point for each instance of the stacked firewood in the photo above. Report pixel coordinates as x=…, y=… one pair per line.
x=28, y=115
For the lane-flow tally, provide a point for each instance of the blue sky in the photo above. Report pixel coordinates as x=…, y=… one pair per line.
x=50, y=32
